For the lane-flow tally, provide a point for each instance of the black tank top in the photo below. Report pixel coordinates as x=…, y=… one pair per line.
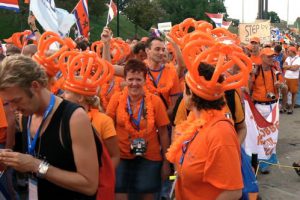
x=50, y=149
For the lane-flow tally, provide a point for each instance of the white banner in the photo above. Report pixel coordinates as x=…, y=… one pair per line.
x=164, y=27
x=51, y=18
x=261, y=29
x=262, y=135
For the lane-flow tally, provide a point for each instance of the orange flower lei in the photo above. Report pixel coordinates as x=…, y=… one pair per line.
x=126, y=118
x=153, y=89
x=187, y=129
x=104, y=91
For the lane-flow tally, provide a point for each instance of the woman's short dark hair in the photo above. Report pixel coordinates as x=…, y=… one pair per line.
x=134, y=65
x=207, y=71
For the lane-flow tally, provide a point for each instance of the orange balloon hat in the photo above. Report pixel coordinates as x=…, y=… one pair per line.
x=50, y=62
x=119, y=49
x=19, y=38
x=223, y=54
x=85, y=72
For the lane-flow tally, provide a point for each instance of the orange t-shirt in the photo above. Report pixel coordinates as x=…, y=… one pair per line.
x=256, y=59
x=211, y=164
x=3, y=123
x=153, y=146
x=261, y=87
x=110, y=88
x=168, y=73
x=102, y=123
x=182, y=113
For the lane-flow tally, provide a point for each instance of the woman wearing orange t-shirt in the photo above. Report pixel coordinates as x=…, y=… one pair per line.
x=205, y=150
x=141, y=123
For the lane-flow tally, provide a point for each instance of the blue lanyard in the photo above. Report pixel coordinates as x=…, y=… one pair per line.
x=32, y=144
x=185, y=147
x=160, y=70
x=138, y=121
x=111, y=85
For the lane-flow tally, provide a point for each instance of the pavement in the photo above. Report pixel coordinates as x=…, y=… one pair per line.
x=283, y=183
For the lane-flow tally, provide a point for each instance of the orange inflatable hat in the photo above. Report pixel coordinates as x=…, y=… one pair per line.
x=85, y=72
x=50, y=63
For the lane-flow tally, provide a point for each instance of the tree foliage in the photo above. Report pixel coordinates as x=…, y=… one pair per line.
x=178, y=10
x=143, y=12
x=273, y=16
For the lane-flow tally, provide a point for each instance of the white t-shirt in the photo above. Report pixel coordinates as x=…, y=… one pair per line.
x=292, y=61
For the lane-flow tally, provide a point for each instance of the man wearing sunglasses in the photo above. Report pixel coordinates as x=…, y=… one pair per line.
x=266, y=82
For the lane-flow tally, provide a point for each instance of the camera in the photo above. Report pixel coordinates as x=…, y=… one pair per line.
x=271, y=95
x=138, y=147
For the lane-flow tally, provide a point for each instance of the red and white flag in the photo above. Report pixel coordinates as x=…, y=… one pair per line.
x=226, y=24
x=10, y=5
x=112, y=11
x=216, y=18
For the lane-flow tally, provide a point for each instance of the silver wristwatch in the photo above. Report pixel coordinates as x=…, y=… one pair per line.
x=43, y=168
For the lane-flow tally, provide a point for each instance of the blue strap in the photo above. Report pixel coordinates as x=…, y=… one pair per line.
x=32, y=143
x=160, y=70
x=111, y=85
x=136, y=122
x=185, y=147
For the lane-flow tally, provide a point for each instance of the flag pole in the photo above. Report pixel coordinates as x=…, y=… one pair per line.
x=118, y=19
x=108, y=12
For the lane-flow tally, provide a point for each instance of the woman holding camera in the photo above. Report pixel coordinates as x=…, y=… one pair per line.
x=141, y=123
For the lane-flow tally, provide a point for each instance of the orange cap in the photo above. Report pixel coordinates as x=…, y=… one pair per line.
x=293, y=49
x=255, y=39
x=267, y=51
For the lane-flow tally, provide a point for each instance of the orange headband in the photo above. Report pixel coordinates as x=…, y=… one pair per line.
x=50, y=62
x=92, y=71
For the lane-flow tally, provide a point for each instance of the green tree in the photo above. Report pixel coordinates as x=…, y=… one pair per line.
x=297, y=23
x=178, y=10
x=144, y=13
x=273, y=16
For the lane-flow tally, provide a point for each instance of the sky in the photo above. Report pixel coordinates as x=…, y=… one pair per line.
x=234, y=9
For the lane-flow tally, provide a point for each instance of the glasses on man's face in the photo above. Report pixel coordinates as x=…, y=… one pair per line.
x=253, y=43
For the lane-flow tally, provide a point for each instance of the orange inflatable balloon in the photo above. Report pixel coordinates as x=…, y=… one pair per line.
x=86, y=72
x=50, y=62
x=115, y=50
x=19, y=38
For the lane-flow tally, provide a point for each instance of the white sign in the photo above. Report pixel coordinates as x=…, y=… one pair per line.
x=259, y=29
x=164, y=27
x=52, y=18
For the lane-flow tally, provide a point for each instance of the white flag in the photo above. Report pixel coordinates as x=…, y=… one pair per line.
x=52, y=18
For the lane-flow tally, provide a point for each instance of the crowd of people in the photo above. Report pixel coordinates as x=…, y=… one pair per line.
x=115, y=119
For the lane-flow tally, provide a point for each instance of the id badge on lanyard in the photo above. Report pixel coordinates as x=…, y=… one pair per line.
x=32, y=188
